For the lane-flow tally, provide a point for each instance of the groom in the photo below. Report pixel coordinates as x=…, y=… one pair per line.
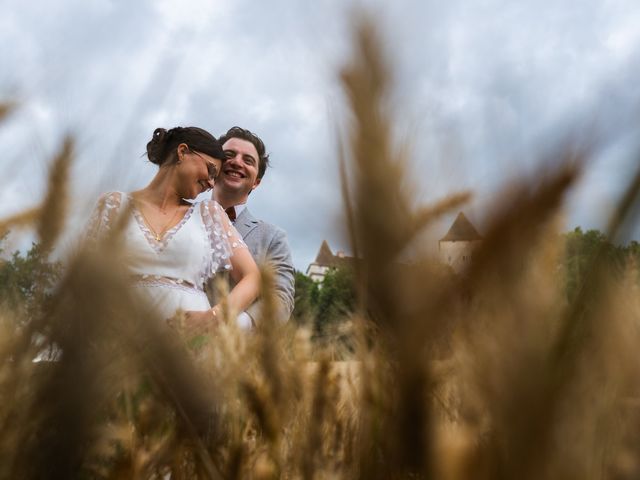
x=245, y=165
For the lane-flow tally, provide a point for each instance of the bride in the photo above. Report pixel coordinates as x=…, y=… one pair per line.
x=173, y=246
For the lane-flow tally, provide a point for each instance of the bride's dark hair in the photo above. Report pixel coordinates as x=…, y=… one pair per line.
x=161, y=149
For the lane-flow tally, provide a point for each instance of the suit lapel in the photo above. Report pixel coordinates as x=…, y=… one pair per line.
x=245, y=222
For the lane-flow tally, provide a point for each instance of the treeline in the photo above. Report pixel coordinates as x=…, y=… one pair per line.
x=324, y=305
x=26, y=278
x=581, y=248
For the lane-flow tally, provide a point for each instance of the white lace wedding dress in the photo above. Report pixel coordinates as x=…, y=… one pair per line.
x=171, y=272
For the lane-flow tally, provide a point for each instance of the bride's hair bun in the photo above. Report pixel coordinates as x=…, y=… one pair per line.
x=157, y=146
x=161, y=147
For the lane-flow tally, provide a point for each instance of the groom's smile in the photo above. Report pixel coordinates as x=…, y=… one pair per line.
x=234, y=174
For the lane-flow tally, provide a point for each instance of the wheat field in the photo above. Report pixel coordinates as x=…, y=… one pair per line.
x=493, y=374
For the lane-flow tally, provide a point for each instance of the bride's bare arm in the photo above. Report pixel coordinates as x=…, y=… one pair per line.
x=246, y=274
x=244, y=270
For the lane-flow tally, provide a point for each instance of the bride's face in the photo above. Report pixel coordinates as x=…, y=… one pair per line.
x=195, y=173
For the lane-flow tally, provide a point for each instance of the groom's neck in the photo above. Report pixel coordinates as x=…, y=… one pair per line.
x=227, y=201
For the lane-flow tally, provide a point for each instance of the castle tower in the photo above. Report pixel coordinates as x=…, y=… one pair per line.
x=324, y=260
x=457, y=246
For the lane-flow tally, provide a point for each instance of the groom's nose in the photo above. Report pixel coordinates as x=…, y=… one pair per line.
x=235, y=159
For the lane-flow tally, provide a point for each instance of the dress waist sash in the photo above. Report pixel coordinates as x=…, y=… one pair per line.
x=162, y=281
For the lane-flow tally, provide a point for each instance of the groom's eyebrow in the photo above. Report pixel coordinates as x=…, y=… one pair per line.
x=230, y=152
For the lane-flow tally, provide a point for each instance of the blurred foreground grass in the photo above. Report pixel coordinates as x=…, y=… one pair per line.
x=490, y=375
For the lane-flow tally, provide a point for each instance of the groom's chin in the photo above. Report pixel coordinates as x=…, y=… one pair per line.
x=227, y=184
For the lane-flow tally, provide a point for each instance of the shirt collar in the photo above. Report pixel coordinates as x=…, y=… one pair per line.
x=239, y=208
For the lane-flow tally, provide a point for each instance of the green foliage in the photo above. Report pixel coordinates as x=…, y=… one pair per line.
x=324, y=305
x=25, y=279
x=582, y=248
x=305, y=299
x=336, y=297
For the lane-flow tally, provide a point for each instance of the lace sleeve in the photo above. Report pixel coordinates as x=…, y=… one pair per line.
x=224, y=239
x=103, y=215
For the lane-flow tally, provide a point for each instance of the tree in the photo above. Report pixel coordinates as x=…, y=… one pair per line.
x=580, y=252
x=26, y=279
x=305, y=299
x=336, y=298
x=324, y=305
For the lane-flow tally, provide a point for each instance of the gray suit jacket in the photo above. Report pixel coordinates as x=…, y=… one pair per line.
x=268, y=245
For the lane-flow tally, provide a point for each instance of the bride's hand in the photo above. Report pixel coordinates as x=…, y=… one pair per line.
x=198, y=322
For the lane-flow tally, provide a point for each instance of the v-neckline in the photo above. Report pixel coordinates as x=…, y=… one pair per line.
x=157, y=245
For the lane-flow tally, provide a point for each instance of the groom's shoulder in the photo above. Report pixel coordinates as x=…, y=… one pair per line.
x=267, y=227
x=271, y=236
x=257, y=227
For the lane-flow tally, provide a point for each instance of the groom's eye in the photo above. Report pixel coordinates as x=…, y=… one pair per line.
x=229, y=153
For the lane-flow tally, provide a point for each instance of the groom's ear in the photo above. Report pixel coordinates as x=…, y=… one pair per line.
x=256, y=183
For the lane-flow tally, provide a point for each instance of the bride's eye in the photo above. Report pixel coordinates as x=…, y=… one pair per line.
x=212, y=170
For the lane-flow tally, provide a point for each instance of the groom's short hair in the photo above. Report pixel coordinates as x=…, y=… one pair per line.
x=244, y=134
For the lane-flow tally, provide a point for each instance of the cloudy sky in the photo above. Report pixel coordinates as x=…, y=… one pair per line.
x=483, y=88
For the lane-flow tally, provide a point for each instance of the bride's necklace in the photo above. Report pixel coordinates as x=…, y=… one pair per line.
x=158, y=235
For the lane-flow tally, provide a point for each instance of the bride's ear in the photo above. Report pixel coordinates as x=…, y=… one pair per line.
x=181, y=151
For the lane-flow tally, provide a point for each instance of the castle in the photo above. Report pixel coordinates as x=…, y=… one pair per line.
x=454, y=249
x=325, y=259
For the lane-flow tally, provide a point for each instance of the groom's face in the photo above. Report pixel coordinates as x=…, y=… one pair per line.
x=240, y=170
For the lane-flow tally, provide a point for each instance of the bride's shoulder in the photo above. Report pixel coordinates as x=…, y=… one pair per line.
x=104, y=212
x=210, y=206
x=114, y=196
x=111, y=199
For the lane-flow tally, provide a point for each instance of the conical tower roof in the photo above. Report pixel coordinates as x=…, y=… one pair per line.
x=461, y=231
x=325, y=255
